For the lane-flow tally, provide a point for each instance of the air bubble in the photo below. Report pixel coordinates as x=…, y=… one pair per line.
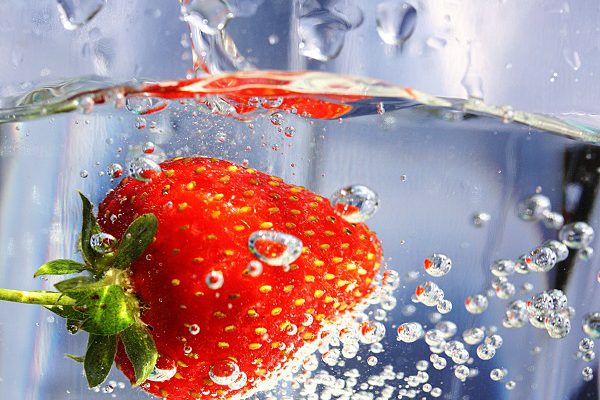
x=254, y=268
x=585, y=254
x=143, y=169
x=429, y=294
x=486, y=351
x=214, y=280
x=444, y=306
x=275, y=248
x=355, y=203
x=461, y=372
x=410, y=332
x=591, y=325
x=396, y=21
x=559, y=248
x=476, y=304
x=497, y=374
x=502, y=268
x=437, y=265
x=142, y=105
x=543, y=259
x=194, y=329
x=114, y=170
x=224, y=372
x=473, y=335
x=577, y=235
x=534, y=207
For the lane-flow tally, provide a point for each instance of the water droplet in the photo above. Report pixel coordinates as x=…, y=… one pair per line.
x=114, y=170
x=103, y=242
x=577, y=235
x=143, y=168
x=214, y=280
x=437, y=265
x=591, y=325
x=476, y=304
x=76, y=13
x=224, y=372
x=534, y=207
x=410, y=332
x=355, y=203
x=497, y=374
x=210, y=16
x=396, y=21
x=142, y=105
x=502, y=268
x=194, y=329
x=83, y=173
x=322, y=28
x=275, y=248
x=254, y=268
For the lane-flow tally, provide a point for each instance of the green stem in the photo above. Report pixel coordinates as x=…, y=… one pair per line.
x=41, y=297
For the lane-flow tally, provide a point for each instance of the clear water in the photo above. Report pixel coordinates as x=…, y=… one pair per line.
x=450, y=175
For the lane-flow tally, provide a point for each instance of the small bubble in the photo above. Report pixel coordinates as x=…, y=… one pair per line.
x=85, y=104
x=560, y=249
x=444, y=306
x=148, y=148
x=214, y=280
x=194, y=329
x=473, y=335
x=289, y=131
x=588, y=374
x=486, y=351
x=543, y=259
x=429, y=294
x=254, y=268
x=461, y=372
x=497, y=374
x=142, y=105
x=83, y=173
x=481, y=218
x=140, y=123
x=372, y=361
x=277, y=118
x=143, y=168
x=273, y=39
x=410, y=332
x=510, y=385
x=585, y=254
x=591, y=325
x=502, y=268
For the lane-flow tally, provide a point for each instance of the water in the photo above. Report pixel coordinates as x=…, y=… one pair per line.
x=433, y=162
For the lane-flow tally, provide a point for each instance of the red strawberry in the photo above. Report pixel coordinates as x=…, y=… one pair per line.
x=182, y=303
x=206, y=210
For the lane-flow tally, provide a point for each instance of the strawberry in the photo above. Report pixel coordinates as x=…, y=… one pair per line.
x=221, y=276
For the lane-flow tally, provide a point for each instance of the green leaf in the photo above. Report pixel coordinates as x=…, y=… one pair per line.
x=109, y=310
x=89, y=227
x=141, y=350
x=78, y=359
x=60, y=267
x=67, y=312
x=99, y=358
x=135, y=240
x=72, y=283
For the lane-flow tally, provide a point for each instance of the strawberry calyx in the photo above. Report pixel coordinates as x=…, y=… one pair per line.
x=100, y=300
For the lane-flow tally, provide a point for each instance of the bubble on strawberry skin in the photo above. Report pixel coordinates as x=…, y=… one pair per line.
x=162, y=374
x=356, y=203
x=224, y=372
x=240, y=382
x=103, y=243
x=275, y=248
x=254, y=268
x=214, y=280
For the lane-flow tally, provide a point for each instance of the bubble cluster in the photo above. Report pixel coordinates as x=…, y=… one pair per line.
x=549, y=310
